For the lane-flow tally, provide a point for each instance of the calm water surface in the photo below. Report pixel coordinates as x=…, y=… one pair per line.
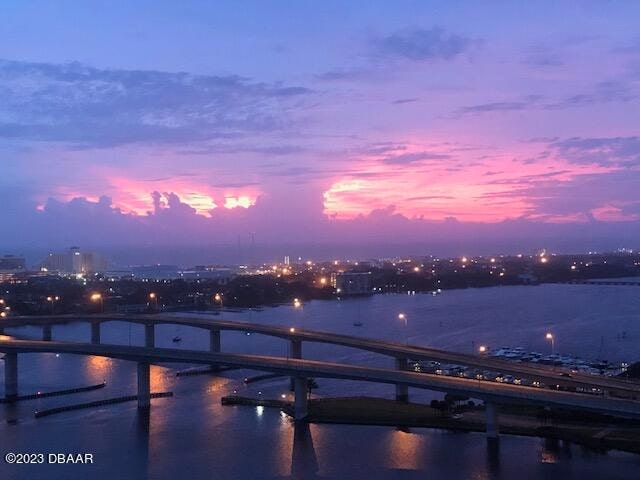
x=191, y=436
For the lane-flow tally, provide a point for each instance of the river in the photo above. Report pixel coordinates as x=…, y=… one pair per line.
x=191, y=436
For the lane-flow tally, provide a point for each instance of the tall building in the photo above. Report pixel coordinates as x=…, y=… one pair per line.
x=75, y=261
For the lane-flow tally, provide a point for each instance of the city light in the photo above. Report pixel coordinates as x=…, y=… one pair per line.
x=292, y=330
x=323, y=281
x=482, y=349
x=297, y=303
x=403, y=317
x=152, y=296
x=544, y=259
x=96, y=297
x=549, y=336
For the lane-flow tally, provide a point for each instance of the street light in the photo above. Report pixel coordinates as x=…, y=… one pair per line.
x=154, y=298
x=549, y=336
x=482, y=349
x=218, y=298
x=97, y=297
x=52, y=301
x=403, y=317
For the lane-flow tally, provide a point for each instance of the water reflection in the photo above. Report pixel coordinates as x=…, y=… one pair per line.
x=304, y=462
x=142, y=440
x=406, y=450
x=493, y=457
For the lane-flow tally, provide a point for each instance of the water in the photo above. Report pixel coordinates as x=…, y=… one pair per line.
x=192, y=436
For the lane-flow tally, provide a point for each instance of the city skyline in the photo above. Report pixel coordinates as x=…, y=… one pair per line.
x=415, y=123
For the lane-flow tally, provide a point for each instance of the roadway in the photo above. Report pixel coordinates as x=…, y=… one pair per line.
x=542, y=373
x=488, y=392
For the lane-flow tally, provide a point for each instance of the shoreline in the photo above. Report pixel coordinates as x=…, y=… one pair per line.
x=371, y=411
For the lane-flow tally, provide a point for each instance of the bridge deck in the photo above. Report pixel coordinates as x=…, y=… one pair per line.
x=487, y=391
x=541, y=373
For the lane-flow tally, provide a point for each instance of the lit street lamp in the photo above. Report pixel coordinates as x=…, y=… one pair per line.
x=154, y=298
x=403, y=317
x=52, y=301
x=549, y=336
x=218, y=298
x=482, y=349
x=97, y=297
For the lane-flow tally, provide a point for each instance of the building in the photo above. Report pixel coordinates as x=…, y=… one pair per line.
x=221, y=275
x=11, y=265
x=352, y=283
x=155, y=272
x=74, y=261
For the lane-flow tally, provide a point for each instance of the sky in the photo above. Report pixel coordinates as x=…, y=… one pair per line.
x=446, y=126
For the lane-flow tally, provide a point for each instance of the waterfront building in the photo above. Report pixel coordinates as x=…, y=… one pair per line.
x=75, y=261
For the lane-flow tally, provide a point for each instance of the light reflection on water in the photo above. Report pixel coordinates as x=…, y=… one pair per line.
x=192, y=436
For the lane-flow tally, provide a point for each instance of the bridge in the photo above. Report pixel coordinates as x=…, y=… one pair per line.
x=401, y=353
x=300, y=370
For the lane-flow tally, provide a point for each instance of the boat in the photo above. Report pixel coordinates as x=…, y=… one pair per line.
x=177, y=339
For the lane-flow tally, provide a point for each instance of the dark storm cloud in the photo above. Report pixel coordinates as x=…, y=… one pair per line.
x=101, y=107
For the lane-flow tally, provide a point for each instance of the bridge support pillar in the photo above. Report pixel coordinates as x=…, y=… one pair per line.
x=301, y=401
x=10, y=375
x=214, y=345
x=402, y=390
x=46, y=333
x=144, y=385
x=491, y=413
x=214, y=340
x=95, y=333
x=149, y=336
x=296, y=352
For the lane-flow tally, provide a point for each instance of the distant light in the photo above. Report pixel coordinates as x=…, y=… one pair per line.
x=283, y=396
x=493, y=260
x=95, y=297
x=292, y=329
x=323, y=281
x=464, y=259
x=549, y=336
x=573, y=267
x=401, y=316
x=544, y=259
x=416, y=269
x=482, y=349
x=259, y=410
x=152, y=296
